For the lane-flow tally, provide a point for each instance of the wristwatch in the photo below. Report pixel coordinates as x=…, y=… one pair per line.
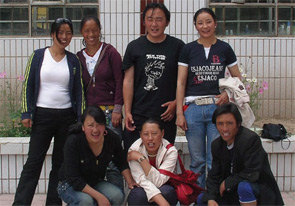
x=141, y=159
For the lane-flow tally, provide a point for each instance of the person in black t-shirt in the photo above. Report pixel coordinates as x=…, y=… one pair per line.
x=149, y=86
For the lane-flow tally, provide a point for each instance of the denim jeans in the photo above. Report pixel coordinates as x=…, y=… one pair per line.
x=113, y=174
x=76, y=198
x=200, y=126
x=48, y=123
x=246, y=192
x=137, y=196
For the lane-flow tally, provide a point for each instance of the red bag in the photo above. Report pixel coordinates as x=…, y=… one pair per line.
x=185, y=184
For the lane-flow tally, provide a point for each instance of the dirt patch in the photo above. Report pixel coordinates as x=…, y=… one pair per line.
x=288, y=123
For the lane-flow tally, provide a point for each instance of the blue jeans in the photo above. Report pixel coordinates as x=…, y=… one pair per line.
x=137, y=196
x=76, y=198
x=246, y=192
x=113, y=174
x=199, y=122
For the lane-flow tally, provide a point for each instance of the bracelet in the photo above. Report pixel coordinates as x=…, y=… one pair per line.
x=141, y=159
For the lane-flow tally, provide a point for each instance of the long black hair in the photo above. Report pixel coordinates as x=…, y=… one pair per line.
x=55, y=26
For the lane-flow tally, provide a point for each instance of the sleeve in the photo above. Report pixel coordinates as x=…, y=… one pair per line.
x=252, y=159
x=128, y=59
x=78, y=92
x=231, y=58
x=168, y=163
x=183, y=57
x=214, y=178
x=120, y=157
x=155, y=179
x=116, y=64
x=28, y=88
x=72, y=163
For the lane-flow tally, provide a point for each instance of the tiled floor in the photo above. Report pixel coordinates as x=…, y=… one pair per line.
x=39, y=199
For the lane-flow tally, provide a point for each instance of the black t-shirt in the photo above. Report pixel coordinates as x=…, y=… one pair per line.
x=155, y=73
x=203, y=73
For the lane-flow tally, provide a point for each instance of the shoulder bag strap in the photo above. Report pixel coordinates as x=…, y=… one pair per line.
x=179, y=158
x=95, y=68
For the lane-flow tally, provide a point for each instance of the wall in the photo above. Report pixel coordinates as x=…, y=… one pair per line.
x=273, y=58
x=13, y=154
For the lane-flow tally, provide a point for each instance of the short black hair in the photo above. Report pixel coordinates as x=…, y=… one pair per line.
x=205, y=10
x=153, y=121
x=55, y=26
x=228, y=108
x=159, y=6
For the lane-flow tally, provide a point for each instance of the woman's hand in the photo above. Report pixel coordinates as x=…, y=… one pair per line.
x=116, y=119
x=181, y=122
x=27, y=123
x=133, y=155
x=222, y=98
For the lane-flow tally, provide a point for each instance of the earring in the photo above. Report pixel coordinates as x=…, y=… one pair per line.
x=105, y=132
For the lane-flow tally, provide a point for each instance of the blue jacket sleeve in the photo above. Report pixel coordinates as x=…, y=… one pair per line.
x=28, y=88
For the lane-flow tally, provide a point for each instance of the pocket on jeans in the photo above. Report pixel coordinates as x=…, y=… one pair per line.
x=62, y=187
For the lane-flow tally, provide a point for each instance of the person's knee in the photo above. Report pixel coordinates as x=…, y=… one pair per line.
x=245, y=192
x=117, y=197
x=111, y=191
x=137, y=196
x=84, y=199
x=169, y=194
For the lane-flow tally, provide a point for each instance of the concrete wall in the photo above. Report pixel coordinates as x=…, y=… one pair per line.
x=13, y=155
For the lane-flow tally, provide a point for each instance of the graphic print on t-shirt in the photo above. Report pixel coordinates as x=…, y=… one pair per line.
x=207, y=73
x=154, y=70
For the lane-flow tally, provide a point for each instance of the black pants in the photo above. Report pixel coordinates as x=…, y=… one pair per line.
x=47, y=123
x=129, y=137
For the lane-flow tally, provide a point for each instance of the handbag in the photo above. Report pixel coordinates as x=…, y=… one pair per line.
x=184, y=184
x=275, y=132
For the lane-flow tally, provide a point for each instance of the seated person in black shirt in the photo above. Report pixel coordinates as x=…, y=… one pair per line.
x=240, y=173
x=87, y=153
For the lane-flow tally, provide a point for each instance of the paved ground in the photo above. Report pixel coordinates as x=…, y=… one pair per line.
x=39, y=199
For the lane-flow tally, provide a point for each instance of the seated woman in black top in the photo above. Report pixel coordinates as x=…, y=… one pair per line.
x=87, y=153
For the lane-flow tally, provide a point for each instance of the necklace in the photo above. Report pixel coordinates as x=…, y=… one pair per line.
x=152, y=155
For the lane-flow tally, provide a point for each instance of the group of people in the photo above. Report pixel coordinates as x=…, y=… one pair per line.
x=162, y=83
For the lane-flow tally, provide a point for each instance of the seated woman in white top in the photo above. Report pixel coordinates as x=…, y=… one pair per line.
x=145, y=157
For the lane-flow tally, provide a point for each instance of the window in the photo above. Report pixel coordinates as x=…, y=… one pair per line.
x=34, y=17
x=14, y=21
x=254, y=17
